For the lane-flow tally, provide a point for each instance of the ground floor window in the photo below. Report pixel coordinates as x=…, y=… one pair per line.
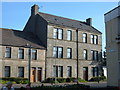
x=7, y=71
x=57, y=71
x=95, y=71
x=20, y=71
x=69, y=70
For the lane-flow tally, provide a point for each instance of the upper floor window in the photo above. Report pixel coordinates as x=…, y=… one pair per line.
x=69, y=35
x=94, y=39
x=58, y=33
x=84, y=37
x=21, y=53
x=94, y=55
x=55, y=52
x=58, y=52
x=34, y=54
x=55, y=33
x=69, y=53
x=85, y=54
x=8, y=52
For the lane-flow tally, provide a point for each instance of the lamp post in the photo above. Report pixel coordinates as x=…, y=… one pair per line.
x=77, y=55
x=29, y=63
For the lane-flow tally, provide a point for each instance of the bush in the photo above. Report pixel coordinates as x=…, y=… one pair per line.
x=71, y=79
x=102, y=78
x=81, y=80
x=61, y=80
x=17, y=80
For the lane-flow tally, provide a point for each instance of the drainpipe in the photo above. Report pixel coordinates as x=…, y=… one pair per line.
x=77, y=55
x=45, y=64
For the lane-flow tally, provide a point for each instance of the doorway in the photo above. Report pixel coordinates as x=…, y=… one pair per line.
x=33, y=77
x=39, y=74
x=85, y=73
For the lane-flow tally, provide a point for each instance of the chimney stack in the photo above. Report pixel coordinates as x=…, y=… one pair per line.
x=34, y=9
x=89, y=21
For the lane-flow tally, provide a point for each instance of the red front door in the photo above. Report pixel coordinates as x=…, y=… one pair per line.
x=40, y=75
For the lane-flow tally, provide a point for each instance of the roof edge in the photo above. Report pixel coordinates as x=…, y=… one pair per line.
x=112, y=10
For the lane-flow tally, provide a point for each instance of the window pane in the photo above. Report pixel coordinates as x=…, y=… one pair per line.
x=20, y=71
x=69, y=69
x=69, y=35
x=55, y=71
x=60, y=71
x=55, y=52
x=96, y=55
x=84, y=37
x=95, y=71
x=85, y=54
x=92, y=55
x=92, y=39
x=7, y=71
x=60, y=52
x=34, y=54
x=60, y=34
x=69, y=53
x=8, y=52
x=55, y=34
x=21, y=53
x=95, y=39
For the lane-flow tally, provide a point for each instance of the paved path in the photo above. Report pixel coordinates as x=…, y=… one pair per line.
x=96, y=85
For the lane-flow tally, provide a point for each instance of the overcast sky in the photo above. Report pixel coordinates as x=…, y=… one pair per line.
x=16, y=14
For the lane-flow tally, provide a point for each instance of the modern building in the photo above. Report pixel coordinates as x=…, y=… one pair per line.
x=14, y=52
x=112, y=25
x=73, y=47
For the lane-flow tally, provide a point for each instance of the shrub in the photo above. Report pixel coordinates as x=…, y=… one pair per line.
x=17, y=80
x=61, y=80
x=71, y=79
x=81, y=80
x=102, y=78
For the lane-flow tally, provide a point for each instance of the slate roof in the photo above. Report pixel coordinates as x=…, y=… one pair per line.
x=57, y=20
x=19, y=38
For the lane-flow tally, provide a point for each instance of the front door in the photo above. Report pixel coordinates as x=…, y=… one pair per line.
x=33, y=77
x=39, y=74
x=85, y=73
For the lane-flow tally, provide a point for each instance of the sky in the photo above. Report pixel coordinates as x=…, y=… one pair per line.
x=16, y=14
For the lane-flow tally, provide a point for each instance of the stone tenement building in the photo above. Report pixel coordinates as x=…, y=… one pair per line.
x=112, y=24
x=14, y=55
x=72, y=46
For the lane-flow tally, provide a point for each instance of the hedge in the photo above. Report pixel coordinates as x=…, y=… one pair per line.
x=62, y=80
x=17, y=80
x=101, y=78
